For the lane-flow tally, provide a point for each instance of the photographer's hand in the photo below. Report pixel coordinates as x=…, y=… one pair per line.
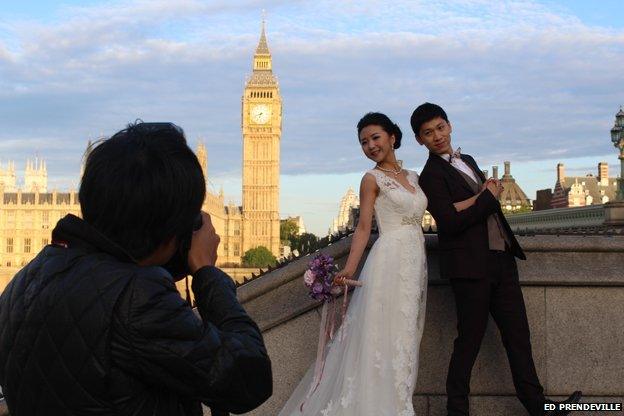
x=204, y=246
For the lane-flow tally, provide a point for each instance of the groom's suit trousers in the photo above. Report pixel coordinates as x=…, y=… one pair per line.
x=498, y=294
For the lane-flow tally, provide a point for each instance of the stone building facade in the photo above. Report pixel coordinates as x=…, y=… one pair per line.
x=579, y=191
x=262, y=131
x=512, y=199
x=27, y=215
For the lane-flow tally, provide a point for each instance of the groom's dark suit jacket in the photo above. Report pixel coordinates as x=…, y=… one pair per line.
x=462, y=236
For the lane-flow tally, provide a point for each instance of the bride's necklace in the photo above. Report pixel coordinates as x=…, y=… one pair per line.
x=396, y=172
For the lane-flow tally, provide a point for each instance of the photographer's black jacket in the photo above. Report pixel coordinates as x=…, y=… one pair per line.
x=84, y=330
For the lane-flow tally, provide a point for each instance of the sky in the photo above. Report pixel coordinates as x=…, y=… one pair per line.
x=531, y=82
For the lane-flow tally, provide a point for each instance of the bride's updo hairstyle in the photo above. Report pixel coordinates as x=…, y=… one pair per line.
x=381, y=120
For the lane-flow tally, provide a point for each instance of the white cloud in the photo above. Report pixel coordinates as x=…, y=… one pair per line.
x=520, y=80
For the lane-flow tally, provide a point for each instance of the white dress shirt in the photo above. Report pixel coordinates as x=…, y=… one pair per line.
x=460, y=165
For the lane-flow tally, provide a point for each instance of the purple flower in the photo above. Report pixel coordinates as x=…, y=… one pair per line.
x=317, y=288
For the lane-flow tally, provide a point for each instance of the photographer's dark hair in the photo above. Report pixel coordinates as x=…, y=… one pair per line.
x=381, y=120
x=142, y=186
x=424, y=113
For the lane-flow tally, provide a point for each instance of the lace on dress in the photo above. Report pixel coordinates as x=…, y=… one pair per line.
x=372, y=369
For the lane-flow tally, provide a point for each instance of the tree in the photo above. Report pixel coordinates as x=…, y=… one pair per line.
x=288, y=229
x=258, y=257
x=304, y=243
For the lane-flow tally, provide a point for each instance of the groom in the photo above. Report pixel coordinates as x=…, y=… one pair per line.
x=477, y=254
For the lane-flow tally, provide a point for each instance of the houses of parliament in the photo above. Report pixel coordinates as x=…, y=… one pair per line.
x=29, y=213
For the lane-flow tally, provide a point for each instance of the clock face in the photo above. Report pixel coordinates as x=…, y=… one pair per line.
x=260, y=113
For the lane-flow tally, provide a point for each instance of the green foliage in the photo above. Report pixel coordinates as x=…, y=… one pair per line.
x=517, y=211
x=258, y=257
x=304, y=243
x=288, y=229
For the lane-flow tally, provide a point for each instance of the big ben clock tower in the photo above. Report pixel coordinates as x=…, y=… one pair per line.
x=262, y=129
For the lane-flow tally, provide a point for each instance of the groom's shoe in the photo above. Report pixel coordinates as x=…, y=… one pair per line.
x=574, y=398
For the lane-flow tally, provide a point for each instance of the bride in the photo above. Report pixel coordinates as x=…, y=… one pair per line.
x=372, y=363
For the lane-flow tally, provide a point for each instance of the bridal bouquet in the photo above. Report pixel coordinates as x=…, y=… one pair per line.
x=319, y=278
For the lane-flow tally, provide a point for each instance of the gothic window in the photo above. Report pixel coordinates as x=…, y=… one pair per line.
x=45, y=242
x=9, y=246
x=27, y=243
x=28, y=220
x=236, y=249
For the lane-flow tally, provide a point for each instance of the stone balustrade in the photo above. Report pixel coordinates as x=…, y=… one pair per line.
x=609, y=214
x=574, y=293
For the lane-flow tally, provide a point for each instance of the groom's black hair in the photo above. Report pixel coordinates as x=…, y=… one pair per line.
x=424, y=113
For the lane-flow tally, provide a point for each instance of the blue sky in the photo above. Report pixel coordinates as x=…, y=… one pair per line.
x=532, y=82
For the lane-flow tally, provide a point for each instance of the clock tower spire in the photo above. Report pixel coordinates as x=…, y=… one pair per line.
x=262, y=130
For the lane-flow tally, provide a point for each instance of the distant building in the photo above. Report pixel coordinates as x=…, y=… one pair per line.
x=512, y=199
x=35, y=178
x=7, y=177
x=345, y=219
x=579, y=191
x=543, y=199
x=28, y=214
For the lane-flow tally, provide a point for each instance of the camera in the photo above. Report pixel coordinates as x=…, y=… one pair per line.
x=178, y=264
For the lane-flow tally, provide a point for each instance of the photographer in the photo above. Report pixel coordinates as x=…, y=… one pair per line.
x=94, y=324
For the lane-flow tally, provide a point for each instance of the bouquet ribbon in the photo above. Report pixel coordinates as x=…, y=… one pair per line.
x=328, y=323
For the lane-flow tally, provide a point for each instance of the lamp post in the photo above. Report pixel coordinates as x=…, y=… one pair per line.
x=617, y=137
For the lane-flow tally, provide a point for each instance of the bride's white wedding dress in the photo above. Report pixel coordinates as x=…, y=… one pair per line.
x=371, y=371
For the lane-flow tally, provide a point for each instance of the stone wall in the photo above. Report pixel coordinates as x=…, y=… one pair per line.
x=574, y=293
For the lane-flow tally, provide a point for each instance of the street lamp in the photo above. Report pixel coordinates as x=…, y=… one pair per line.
x=617, y=137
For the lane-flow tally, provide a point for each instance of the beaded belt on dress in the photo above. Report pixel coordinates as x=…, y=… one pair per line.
x=411, y=220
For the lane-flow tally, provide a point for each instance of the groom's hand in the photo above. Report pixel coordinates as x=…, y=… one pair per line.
x=494, y=186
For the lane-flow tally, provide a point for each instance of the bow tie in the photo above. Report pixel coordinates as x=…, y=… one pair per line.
x=455, y=154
